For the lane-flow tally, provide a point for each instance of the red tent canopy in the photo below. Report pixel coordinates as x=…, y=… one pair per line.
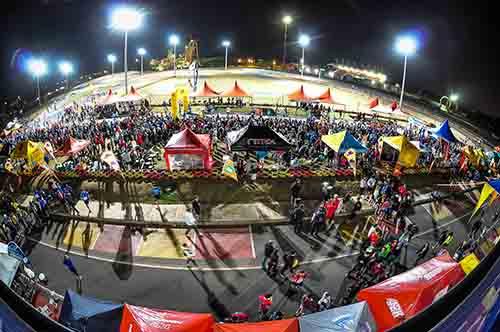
x=285, y=325
x=109, y=98
x=403, y=296
x=207, y=91
x=327, y=98
x=133, y=95
x=299, y=95
x=236, y=91
x=72, y=146
x=154, y=320
x=373, y=103
x=187, y=142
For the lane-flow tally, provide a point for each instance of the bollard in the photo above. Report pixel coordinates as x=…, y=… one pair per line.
x=79, y=282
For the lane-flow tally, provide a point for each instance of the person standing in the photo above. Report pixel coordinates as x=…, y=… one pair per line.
x=268, y=251
x=298, y=216
x=287, y=263
x=191, y=224
x=295, y=190
x=355, y=209
x=331, y=209
x=318, y=220
x=265, y=303
x=70, y=266
x=196, y=207
x=85, y=197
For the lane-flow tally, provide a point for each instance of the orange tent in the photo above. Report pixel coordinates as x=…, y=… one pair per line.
x=373, y=103
x=299, y=95
x=236, y=91
x=140, y=319
x=109, y=98
x=207, y=91
x=285, y=325
x=133, y=95
x=327, y=98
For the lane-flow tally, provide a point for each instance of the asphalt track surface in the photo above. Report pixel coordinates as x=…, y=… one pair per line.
x=232, y=289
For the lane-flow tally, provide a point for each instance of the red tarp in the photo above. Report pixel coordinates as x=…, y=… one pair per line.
x=187, y=142
x=154, y=320
x=285, y=325
x=299, y=95
x=236, y=91
x=326, y=98
x=373, y=103
x=109, y=98
x=72, y=146
x=403, y=296
x=207, y=92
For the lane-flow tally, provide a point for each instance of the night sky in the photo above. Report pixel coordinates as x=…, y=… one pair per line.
x=458, y=41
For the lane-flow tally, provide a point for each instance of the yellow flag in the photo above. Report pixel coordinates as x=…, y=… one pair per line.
x=229, y=170
x=485, y=193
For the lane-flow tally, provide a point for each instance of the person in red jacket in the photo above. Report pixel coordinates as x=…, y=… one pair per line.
x=265, y=303
x=331, y=209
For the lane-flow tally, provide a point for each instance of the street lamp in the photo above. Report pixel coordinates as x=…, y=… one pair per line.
x=112, y=60
x=66, y=69
x=126, y=19
x=405, y=45
x=304, y=41
x=174, y=40
x=142, y=52
x=38, y=68
x=226, y=44
x=287, y=19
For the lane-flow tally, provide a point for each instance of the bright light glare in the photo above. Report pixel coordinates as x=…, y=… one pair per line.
x=308, y=70
x=173, y=40
x=287, y=19
x=37, y=67
x=141, y=51
x=226, y=43
x=65, y=68
x=112, y=58
x=304, y=40
x=330, y=73
x=406, y=45
x=316, y=70
x=454, y=97
x=126, y=19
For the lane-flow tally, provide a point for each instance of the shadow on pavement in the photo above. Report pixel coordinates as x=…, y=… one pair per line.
x=123, y=264
x=218, y=307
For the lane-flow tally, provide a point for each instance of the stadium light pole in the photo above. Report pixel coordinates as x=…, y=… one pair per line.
x=126, y=19
x=38, y=68
x=287, y=19
x=226, y=44
x=142, y=52
x=174, y=40
x=406, y=46
x=304, y=41
x=112, y=60
x=66, y=69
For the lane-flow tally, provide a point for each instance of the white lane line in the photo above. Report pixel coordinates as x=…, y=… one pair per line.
x=251, y=241
x=241, y=268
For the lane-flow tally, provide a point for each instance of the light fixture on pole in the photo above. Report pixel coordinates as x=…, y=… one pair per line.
x=66, y=69
x=37, y=68
x=304, y=41
x=406, y=46
x=112, y=60
x=126, y=19
x=287, y=19
x=142, y=52
x=174, y=40
x=226, y=44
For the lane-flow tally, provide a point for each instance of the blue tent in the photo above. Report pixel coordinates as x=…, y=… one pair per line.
x=351, y=318
x=10, y=321
x=87, y=314
x=444, y=132
x=343, y=141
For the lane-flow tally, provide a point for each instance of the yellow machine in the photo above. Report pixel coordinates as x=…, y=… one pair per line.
x=178, y=95
x=191, y=53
